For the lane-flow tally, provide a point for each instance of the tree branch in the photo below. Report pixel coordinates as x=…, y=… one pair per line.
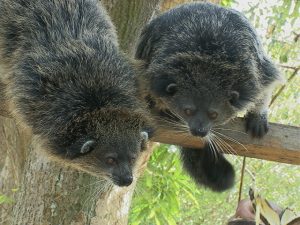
x=283, y=86
x=289, y=67
x=281, y=144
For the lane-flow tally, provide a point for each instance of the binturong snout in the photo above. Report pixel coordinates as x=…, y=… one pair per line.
x=125, y=181
x=122, y=176
x=199, y=127
x=201, y=132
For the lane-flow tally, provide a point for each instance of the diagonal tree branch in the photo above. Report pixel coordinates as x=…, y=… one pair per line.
x=281, y=144
x=293, y=75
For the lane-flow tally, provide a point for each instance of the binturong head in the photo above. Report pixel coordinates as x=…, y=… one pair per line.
x=85, y=114
x=202, y=92
x=104, y=143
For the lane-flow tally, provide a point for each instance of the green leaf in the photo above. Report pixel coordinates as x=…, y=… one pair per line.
x=283, y=58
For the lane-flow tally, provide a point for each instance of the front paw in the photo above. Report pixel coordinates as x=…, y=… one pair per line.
x=208, y=169
x=220, y=173
x=256, y=124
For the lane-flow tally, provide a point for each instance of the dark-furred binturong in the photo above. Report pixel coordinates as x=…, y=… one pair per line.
x=68, y=82
x=200, y=65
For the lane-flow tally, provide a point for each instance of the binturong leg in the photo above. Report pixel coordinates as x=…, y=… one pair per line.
x=208, y=168
x=257, y=117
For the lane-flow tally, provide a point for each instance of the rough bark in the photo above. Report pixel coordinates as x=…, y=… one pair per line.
x=13, y=142
x=168, y=4
x=3, y=103
x=52, y=195
x=129, y=16
x=49, y=193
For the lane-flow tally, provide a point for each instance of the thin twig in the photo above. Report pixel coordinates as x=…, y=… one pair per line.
x=297, y=36
x=283, y=86
x=289, y=67
x=242, y=179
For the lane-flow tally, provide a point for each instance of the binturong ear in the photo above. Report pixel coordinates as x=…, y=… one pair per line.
x=270, y=72
x=171, y=88
x=234, y=97
x=87, y=147
x=145, y=48
x=144, y=136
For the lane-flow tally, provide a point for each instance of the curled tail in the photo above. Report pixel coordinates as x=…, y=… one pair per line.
x=207, y=168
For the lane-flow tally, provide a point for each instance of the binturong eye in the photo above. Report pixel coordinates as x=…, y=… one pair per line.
x=88, y=147
x=189, y=111
x=213, y=115
x=234, y=97
x=111, y=161
x=132, y=160
x=171, y=89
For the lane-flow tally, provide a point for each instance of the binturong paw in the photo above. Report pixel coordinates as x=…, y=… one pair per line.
x=256, y=124
x=208, y=168
x=220, y=173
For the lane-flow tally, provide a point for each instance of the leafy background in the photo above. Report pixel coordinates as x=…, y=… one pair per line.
x=166, y=195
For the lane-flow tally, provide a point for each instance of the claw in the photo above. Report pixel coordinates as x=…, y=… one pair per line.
x=256, y=125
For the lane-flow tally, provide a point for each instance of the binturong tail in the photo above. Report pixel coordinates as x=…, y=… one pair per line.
x=208, y=168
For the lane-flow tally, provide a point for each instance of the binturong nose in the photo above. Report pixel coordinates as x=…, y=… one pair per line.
x=126, y=180
x=200, y=128
x=202, y=132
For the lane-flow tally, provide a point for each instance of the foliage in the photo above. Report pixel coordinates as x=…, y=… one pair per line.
x=5, y=199
x=161, y=198
x=278, y=23
x=166, y=195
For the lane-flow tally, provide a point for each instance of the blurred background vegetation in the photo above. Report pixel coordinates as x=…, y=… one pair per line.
x=166, y=195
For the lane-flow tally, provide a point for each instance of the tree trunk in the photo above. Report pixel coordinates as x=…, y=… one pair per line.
x=130, y=16
x=49, y=194
x=13, y=144
x=168, y=4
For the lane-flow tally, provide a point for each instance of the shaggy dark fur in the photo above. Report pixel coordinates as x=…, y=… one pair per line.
x=204, y=64
x=69, y=83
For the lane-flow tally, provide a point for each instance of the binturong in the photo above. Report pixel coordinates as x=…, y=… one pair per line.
x=201, y=65
x=68, y=82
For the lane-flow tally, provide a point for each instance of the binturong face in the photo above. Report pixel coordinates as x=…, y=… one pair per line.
x=202, y=94
x=106, y=148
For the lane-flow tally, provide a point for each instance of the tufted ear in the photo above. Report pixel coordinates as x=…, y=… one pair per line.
x=171, y=88
x=163, y=86
x=270, y=72
x=147, y=40
x=87, y=146
x=145, y=137
x=234, y=97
